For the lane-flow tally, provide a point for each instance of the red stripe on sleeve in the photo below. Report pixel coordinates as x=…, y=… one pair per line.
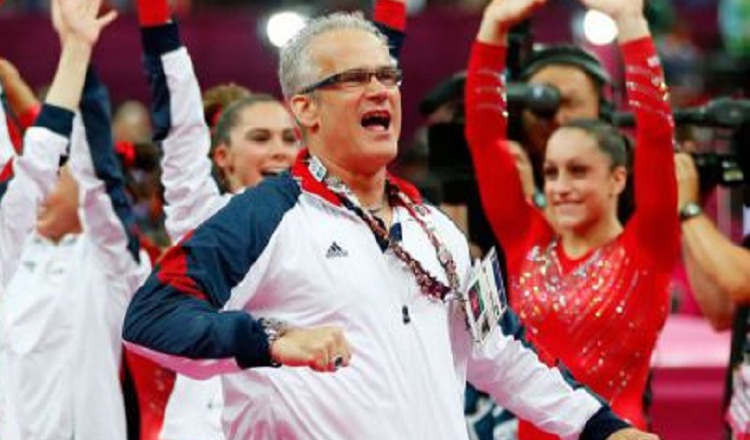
x=27, y=118
x=15, y=136
x=7, y=171
x=173, y=271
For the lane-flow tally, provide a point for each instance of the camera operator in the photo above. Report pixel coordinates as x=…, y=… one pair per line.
x=719, y=275
x=718, y=270
x=558, y=83
x=579, y=79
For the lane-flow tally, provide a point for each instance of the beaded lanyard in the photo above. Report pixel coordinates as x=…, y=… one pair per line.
x=428, y=283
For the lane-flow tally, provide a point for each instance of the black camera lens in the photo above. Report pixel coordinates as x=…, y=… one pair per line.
x=718, y=169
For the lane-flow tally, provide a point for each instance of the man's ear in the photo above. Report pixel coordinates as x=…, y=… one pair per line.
x=305, y=110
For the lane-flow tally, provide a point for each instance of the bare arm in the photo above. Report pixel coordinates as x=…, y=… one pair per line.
x=21, y=99
x=718, y=270
x=78, y=25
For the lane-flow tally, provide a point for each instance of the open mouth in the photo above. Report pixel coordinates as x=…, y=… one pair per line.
x=271, y=172
x=377, y=120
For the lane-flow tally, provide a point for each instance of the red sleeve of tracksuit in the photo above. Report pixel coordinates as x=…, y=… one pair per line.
x=515, y=223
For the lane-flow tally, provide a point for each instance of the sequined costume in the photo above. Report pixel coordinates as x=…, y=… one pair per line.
x=599, y=314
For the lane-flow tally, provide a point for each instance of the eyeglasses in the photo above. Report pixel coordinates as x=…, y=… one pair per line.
x=351, y=79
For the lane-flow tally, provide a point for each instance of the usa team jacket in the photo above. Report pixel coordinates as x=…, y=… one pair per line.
x=7, y=152
x=191, y=193
x=64, y=303
x=287, y=249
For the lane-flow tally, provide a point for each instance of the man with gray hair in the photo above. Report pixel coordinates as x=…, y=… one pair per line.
x=332, y=296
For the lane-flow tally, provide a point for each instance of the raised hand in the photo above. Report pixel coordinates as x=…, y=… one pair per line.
x=628, y=14
x=80, y=19
x=20, y=96
x=78, y=24
x=501, y=15
x=616, y=8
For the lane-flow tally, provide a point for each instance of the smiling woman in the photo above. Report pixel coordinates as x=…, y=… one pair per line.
x=585, y=171
x=254, y=138
x=592, y=292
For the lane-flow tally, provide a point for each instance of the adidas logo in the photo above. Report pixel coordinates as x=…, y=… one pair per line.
x=336, y=251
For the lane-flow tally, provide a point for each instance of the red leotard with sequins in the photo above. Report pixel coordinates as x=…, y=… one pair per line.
x=600, y=314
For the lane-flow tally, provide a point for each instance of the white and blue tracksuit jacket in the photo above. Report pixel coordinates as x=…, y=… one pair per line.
x=287, y=249
x=64, y=302
x=191, y=195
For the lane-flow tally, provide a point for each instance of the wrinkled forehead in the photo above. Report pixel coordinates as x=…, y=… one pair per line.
x=343, y=49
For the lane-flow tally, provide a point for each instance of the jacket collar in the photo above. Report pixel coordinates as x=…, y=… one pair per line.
x=310, y=184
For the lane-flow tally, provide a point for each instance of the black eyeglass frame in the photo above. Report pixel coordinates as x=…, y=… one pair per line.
x=345, y=76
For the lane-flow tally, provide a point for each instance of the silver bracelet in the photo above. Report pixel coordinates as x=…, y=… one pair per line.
x=274, y=329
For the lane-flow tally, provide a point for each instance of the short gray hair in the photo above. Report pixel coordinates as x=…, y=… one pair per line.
x=297, y=69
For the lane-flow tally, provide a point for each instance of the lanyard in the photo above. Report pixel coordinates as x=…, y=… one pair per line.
x=428, y=283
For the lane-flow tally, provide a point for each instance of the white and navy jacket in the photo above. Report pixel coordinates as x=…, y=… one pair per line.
x=7, y=155
x=190, y=192
x=191, y=196
x=7, y=152
x=287, y=249
x=64, y=303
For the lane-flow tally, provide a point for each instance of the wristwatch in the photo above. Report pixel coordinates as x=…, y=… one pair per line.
x=274, y=329
x=690, y=210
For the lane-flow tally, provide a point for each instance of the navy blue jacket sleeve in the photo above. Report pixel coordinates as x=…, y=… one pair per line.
x=97, y=120
x=177, y=312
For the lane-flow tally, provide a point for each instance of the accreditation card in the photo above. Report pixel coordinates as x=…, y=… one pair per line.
x=486, y=299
